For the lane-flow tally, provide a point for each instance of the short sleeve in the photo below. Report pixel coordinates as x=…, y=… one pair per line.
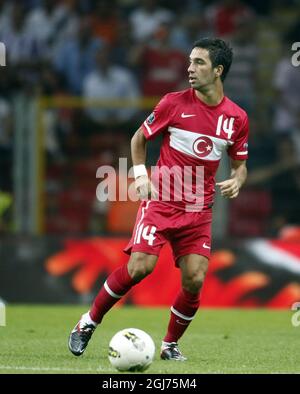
x=158, y=121
x=239, y=149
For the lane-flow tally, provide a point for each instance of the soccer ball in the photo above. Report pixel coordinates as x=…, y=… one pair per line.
x=131, y=349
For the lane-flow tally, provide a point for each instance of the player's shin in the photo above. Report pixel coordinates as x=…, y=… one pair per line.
x=115, y=287
x=182, y=313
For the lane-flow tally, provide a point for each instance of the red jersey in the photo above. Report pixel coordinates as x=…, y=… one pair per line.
x=194, y=137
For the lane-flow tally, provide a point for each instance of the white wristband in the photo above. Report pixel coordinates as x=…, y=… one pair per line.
x=139, y=170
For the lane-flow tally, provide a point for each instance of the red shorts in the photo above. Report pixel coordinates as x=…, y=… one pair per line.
x=157, y=223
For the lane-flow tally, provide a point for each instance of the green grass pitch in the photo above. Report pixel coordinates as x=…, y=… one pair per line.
x=218, y=341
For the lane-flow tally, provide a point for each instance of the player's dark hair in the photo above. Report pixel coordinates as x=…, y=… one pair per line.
x=219, y=53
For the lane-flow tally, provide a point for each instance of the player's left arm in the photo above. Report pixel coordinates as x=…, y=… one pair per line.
x=230, y=187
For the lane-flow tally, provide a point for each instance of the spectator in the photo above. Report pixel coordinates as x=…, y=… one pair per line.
x=25, y=52
x=52, y=22
x=109, y=82
x=225, y=15
x=123, y=45
x=241, y=84
x=287, y=88
x=106, y=21
x=282, y=179
x=5, y=13
x=23, y=48
x=162, y=68
x=76, y=57
x=190, y=27
x=147, y=18
x=285, y=187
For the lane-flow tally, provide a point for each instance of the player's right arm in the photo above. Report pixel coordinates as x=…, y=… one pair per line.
x=156, y=123
x=138, y=155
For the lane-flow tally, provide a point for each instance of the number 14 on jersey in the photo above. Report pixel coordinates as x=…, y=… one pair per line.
x=146, y=233
x=227, y=126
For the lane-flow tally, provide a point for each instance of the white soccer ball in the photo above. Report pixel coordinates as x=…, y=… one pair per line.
x=131, y=349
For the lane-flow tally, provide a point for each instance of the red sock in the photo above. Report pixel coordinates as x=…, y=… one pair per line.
x=117, y=284
x=182, y=313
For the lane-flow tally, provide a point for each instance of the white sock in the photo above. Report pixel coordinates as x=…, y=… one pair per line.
x=164, y=344
x=86, y=319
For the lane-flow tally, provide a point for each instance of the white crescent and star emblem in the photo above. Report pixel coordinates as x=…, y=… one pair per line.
x=203, y=146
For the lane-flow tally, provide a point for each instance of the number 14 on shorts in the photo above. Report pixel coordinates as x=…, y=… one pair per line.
x=146, y=233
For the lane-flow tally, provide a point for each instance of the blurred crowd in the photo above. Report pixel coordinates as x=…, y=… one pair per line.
x=130, y=49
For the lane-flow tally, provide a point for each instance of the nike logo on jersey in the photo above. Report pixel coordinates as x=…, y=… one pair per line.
x=183, y=115
x=205, y=246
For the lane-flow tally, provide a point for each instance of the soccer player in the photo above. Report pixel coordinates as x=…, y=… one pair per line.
x=197, y=124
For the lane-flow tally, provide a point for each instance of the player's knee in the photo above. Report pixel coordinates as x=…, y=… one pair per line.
x=139, y=272
x=139, y=267
x=194, y=281
x=193, y=286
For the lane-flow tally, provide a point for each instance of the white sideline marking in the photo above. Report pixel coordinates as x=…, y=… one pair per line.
x=99, y=369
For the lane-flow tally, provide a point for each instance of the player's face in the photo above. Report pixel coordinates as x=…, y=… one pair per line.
x=201, y=72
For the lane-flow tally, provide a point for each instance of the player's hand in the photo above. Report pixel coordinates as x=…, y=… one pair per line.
x=229, y=188
x=144, y=188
